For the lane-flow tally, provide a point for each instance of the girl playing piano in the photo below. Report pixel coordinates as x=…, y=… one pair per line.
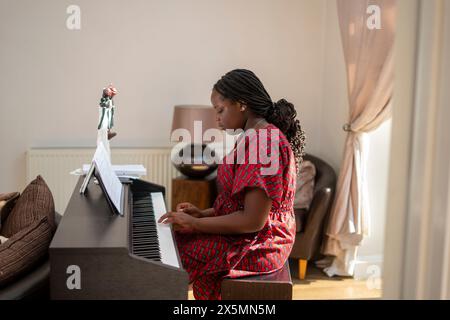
x=251, y=228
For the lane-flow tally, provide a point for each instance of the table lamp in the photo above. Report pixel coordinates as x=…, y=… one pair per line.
x=196, y=126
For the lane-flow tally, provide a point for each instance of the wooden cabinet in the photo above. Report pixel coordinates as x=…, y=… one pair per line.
x=199, y=192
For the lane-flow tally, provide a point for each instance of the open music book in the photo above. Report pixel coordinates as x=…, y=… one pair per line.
x=109, y=182
x=135, y=170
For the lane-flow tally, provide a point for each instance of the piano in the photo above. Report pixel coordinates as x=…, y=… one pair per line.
x=96, y=254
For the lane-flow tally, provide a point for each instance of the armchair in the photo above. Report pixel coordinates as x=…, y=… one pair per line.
x=311, y=223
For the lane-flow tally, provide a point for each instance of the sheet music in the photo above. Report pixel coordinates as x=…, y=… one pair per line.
x=123, y=169
x=108, y=176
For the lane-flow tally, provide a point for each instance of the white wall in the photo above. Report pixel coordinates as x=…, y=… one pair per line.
x=334, y=113
x=158, y=54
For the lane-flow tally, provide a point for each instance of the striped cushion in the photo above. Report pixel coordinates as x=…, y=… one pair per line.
x=35, y=203
x=305, y=186
x=7, y=202
x=24, y=250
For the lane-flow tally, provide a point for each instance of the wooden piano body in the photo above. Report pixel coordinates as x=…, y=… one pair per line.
x=91, y=256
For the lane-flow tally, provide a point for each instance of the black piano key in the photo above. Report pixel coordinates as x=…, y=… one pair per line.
x=139, y=206
x=144, y=235
x=147, y=218
x=146, y=246
x=145, y=241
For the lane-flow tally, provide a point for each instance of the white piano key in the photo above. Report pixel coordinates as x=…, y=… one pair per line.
x=166, y=241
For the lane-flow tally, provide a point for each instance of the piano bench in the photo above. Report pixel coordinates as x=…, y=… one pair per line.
x=273, y=286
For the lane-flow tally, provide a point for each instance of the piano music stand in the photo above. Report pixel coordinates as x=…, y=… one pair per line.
x=93, y=171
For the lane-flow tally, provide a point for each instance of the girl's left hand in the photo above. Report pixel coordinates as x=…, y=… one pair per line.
x=180, y=221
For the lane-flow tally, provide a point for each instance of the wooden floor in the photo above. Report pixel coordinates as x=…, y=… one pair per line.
x=318, y=285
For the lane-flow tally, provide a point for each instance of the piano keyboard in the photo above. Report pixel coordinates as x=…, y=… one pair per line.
x=149, y=239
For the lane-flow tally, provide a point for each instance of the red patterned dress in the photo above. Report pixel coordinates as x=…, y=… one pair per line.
x=208, y=258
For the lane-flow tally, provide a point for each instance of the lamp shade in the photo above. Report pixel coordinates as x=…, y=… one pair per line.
x=196, y=119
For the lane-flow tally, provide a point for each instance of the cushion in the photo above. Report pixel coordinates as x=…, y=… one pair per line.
x=305, y=185
x=7, y=202
x=24, y=250
x=35, y=203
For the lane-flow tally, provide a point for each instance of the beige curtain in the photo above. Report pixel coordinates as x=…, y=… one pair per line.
x=369, y=61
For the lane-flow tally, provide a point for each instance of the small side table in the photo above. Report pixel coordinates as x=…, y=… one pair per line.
x=200, y=192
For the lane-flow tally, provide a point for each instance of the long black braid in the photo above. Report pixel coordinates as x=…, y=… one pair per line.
x=243, y=86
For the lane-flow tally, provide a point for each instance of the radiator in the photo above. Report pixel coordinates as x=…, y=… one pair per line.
x=55, y=164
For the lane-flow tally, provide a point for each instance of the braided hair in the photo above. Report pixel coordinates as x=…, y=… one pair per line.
x=243, y=86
